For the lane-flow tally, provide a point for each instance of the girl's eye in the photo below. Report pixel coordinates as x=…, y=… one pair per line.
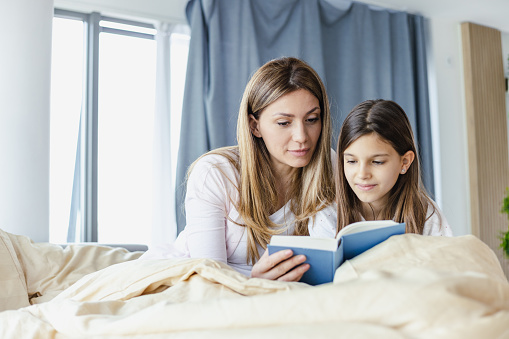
x=351, y=161
x=378, y=162
x=283, y=123
x=312, y=120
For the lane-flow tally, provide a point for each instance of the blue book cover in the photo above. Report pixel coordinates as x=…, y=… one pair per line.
x=325, y=255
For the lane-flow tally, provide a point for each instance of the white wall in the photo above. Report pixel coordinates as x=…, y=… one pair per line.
x=25, y=60
x=449, y=111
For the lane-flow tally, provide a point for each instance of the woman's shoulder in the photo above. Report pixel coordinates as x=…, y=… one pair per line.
x=216, y=168
x=224, y=159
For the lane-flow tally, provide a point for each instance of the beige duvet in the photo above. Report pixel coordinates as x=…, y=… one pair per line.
x=410, y=286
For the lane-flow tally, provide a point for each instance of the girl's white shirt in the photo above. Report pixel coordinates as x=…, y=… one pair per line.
x=435, y=225
x=212, y=229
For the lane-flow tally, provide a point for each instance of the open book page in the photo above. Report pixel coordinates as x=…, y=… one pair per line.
x=328, y=244
x=362, y=226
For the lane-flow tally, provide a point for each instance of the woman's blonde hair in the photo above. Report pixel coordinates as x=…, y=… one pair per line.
x=408, y=200
x=312, y=186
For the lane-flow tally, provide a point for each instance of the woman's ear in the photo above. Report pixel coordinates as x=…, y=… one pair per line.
x=407, y=160
x=253, y=125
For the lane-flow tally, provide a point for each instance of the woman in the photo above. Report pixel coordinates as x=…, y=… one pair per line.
x=278, y=180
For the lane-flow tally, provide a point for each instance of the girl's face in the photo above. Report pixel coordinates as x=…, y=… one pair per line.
x=372, y=167
x=290, y=128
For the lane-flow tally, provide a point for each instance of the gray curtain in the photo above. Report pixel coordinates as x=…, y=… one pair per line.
x=359, y=52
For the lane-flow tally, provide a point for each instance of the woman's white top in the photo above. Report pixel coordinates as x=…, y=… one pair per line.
x=211, y=218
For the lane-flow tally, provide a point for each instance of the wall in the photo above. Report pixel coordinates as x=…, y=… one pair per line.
x=449, y=113
x=24, y=117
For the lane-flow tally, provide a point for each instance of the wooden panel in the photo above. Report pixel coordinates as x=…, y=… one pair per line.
x=486, y=132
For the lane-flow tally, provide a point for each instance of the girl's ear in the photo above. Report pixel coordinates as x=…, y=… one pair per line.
x=407, y=160
x=253, y=125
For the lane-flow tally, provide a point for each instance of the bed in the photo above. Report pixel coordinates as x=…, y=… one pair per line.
x=410, y=286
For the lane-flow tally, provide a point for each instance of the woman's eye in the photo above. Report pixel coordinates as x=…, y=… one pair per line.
x=378, y=162
x=283, y=123
x=351, y=161
x=312, y=120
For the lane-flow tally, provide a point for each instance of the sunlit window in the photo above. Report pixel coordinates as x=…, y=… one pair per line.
x=127, y=70
x=125, y=87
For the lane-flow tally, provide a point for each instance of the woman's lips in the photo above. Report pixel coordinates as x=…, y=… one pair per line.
x=365, y=187
x=299, y=152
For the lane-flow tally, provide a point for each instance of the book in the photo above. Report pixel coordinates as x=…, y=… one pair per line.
x=325, y=255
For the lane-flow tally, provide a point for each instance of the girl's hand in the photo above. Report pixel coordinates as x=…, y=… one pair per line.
x=281, y=266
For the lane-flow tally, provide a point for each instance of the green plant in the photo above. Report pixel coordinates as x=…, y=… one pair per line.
x=504, y=244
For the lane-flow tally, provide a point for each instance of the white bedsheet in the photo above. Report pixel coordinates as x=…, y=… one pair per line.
x=410, y=286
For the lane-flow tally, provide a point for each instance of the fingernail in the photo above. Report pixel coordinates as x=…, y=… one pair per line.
x=288, y=252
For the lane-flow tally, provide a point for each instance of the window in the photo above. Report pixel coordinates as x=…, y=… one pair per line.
x=102, y=121
x=125, y=120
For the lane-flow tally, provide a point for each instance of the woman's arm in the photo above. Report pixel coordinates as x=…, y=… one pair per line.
x=206, y=203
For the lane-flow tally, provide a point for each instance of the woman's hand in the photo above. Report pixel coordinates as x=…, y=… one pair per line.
x=280, y=266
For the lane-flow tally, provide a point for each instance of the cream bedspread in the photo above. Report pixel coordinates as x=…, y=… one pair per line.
x=410, y=286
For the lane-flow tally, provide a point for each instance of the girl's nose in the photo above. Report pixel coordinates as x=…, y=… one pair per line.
x=364, y=172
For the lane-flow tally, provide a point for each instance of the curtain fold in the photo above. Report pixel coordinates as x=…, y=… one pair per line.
x=164, y=228
x=359, y=52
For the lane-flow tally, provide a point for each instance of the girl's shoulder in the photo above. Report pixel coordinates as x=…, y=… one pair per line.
x=436, y=224
x=323, y=223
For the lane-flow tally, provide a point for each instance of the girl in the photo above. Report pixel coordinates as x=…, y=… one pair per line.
x=379, y=173
x=278, y=180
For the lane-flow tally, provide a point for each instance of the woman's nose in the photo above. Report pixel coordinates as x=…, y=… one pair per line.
x=300, y=133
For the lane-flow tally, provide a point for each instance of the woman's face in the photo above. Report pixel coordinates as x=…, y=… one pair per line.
x=290, y=128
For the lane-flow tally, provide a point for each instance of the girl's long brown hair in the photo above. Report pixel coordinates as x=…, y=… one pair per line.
x=312, y=186
x=408, y=200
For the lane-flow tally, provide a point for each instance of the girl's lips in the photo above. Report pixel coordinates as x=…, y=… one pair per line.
x=365, y=187
x=299, y=152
